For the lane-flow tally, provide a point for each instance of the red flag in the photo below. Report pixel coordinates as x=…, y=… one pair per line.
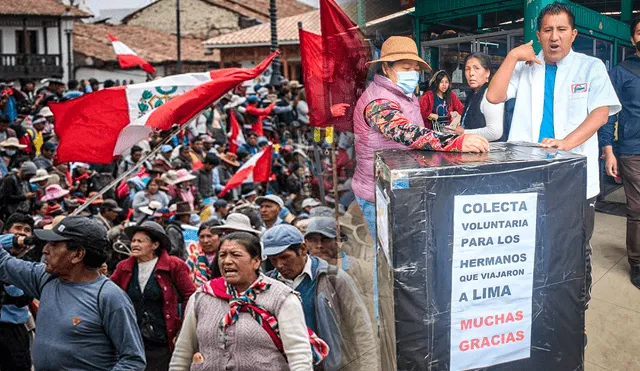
x=104, y=118
x=256, y=169
x=236, y=138
x=311, y=57
x=127, y=57
x=343, y=71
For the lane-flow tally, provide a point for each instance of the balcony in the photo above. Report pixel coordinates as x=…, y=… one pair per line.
x=17, y=66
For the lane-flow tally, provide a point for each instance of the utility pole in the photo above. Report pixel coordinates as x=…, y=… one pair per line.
x=275, y=65
x=179, y=60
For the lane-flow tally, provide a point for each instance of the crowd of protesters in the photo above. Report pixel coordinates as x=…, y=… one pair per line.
x=115, y=282
x=267, y=256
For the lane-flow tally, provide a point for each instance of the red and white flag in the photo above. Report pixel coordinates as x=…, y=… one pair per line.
x=127, y=57
x=236, y=138
x=256, y=169
x=97, y=126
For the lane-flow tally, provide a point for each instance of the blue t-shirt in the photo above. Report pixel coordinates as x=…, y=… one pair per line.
x=439, y=105
x=546, y=128
x=75, y=331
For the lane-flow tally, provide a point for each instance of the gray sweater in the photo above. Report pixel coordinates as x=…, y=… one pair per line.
x=75, y=331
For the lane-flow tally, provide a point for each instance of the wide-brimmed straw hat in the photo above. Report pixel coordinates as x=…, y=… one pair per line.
x=397, y=48
x=230, y=159
x=54, y=192
x=236, y=222
x=183, y=175
x=41, y=174
x=12, y=142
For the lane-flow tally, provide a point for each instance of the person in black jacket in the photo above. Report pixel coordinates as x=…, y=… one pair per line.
x=15, y=193
x=204, y=177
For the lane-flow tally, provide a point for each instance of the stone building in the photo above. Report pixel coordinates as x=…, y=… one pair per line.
x=204, y=19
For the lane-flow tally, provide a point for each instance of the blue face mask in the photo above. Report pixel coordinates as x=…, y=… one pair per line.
x=10, y=153
x=408, y=81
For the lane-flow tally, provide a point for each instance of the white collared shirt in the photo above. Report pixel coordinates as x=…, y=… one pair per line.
x=582, y=85
x=294, y=283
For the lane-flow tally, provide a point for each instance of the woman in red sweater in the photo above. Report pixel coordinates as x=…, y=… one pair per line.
x=440, y=101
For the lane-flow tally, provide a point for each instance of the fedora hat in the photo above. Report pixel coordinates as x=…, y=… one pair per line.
x=183, y=208
x=397, y=48
x=236, y=222
x=230, y=159
x=41, y=174
x=12, y=142
x=154, y=230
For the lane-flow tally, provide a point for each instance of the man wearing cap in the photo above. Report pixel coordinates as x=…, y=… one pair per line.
x=14, y=310
x=164, y=157
x=221, y=210
x=45, y=159
x=78, y=305
x=307, y=205
x=270, y=208
x=322, y=241
x=332, y=307
x=204, y=177
x=108, y=213
x=15, y=193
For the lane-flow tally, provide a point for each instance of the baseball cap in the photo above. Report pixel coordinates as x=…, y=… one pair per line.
x=279, y=238
x=310, y=202
x=273, y=198
x=85, y=231
x=166, y=148
x=322, y=225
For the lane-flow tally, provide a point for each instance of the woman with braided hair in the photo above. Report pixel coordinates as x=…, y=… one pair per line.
x=244, y=320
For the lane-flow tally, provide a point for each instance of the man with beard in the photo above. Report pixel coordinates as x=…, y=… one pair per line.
x=625, y=78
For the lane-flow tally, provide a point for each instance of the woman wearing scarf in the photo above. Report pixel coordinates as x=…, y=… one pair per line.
x=159, y=286
x=245, y=321
x=201, y=259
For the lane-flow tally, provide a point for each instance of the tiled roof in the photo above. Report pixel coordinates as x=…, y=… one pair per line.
x=261, y=34
x=38, y=7
x=258, y=9
x=91, y=40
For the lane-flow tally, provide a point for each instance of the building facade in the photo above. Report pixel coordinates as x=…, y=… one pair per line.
x=36, y=39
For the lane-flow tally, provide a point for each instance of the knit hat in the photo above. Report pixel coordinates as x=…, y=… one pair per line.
x=28, y=168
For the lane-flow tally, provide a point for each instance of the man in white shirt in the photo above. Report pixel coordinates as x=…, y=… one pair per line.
x=575, y=104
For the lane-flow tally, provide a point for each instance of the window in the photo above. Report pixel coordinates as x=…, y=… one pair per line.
x=27, y=44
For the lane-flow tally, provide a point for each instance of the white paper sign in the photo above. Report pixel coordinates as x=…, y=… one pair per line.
x=492, y=279
x=382, y=221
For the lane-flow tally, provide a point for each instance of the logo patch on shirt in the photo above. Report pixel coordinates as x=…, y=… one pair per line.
x=76, y=320
x=579, y=88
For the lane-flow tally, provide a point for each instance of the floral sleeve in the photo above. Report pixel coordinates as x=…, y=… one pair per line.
x=386, y=116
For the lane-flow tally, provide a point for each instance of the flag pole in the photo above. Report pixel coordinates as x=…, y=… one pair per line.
x=129, y=172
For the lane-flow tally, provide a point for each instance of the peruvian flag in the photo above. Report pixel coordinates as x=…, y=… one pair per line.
x=236, y=138
x=256, y=169
x=98, y=126
x=127, y=57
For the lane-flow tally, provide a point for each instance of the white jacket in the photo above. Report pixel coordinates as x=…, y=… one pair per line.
x=582, y=85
